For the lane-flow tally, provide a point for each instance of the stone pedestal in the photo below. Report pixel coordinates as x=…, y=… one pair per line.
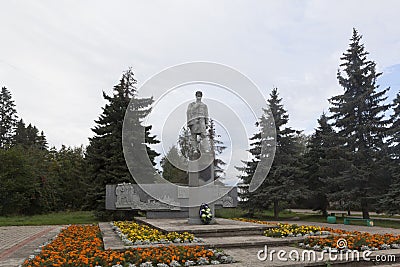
x=196, y=179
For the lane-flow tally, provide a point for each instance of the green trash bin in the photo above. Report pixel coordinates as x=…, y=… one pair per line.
x=331, y=219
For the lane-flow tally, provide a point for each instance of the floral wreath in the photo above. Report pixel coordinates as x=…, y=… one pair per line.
x=205, y=214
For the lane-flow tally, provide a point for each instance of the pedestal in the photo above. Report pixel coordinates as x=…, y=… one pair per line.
x=195, y=181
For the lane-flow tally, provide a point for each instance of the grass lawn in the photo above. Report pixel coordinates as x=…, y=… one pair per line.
x=76, y=217
x=264, y=215
x=289, y=215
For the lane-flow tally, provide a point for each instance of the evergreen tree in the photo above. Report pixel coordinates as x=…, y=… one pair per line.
x=42, y=141
x=105, y=154
x=184, y=142
x=391, y=201
x=394, y=132
x=358, y=115
x=8, y=118
x=171, y=172
x=21, y=137
x=248, y=200
x=28, y=136
x=151, y=140
x=218, y=147
x=283, y=182
x=321, y=164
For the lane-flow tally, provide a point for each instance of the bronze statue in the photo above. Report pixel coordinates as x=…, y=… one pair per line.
x=197, y=120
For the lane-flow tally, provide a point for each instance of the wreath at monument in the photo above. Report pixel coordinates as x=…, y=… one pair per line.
x=205, y=214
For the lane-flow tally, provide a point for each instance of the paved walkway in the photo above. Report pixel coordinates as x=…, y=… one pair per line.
x=18, y=242
x=373, y=215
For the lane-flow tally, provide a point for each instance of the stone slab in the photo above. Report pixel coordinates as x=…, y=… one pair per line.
x=166, y=214
x=247, y=257
x=243, y=241
x=110, y=239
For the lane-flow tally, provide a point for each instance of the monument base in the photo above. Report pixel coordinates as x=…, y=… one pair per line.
x=197, y=221
x=166, y=214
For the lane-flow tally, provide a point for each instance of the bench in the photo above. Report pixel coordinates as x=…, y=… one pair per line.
x=347, y=220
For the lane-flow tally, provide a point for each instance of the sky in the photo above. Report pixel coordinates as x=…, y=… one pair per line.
x=58, y=56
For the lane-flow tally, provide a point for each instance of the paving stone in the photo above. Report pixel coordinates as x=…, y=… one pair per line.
x=18, y=242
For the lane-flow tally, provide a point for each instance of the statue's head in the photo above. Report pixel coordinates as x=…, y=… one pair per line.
x=199, y=95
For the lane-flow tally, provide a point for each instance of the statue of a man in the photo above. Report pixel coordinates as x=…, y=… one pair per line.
x=197, y=120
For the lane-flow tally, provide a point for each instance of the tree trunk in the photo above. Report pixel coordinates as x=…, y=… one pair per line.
x=348, y=212
x=324, y=212
x=364, y=208
x=276, y=209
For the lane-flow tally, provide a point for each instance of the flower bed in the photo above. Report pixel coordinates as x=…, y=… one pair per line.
x=136, y=234
x=287, y=230
x=80, y=245
x=253, y=221
x=322, y=238
x=292, y=230
x=354, y=241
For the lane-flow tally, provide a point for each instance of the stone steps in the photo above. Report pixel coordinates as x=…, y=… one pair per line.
x=249, y=241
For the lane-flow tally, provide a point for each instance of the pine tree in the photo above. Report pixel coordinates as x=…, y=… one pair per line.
x=8, y=118
x=282, y=183
x=358, y=115
x=105, y=152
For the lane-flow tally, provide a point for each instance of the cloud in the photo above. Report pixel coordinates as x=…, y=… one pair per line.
x=58, y=57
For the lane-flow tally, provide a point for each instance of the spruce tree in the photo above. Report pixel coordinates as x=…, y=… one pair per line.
x=218, y=147
x=172, y=173
x=105, y=152
x=8, y=118
x=21, y=137
x=184, y=142
x=390, y=203
x=248, y=200
x=28, y=136
x=321, y=164
x=283, y=182
x=358, y=116
x=394, y=132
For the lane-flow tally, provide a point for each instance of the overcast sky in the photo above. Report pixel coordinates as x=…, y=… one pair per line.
x=58, y=56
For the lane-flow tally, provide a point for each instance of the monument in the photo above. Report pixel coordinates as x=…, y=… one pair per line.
x=172, y=201
x=201, y=154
